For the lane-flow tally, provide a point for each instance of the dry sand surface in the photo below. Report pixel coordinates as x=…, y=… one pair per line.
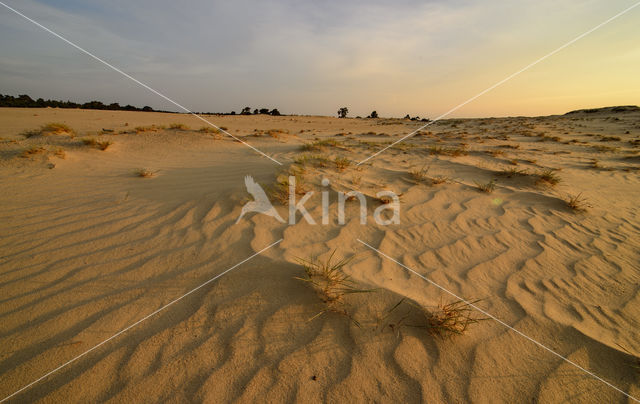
x=88, y=247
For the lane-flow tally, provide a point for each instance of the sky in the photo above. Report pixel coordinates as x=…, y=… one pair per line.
x=311, y=57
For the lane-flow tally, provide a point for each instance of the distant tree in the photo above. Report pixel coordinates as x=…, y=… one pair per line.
x=407, y=117
x=147, y=108
x=255, y=111
x=274, y=112
x=246, y=111
x=374, y=114
x=232, y=113
x=264, y=111
x=343, y=112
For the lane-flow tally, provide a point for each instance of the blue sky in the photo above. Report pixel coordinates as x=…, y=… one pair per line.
x=416, y=57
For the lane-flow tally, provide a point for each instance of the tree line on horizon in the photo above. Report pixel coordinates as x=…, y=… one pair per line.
x=25, y=101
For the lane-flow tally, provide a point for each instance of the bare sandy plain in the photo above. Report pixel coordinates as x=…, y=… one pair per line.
x=88, y=247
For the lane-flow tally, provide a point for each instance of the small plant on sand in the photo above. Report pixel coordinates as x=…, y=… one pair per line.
x=446, y=321
x=488, y=187
x=419, y=174
x=548, y=177
x=32, y=151
x=330, y=283
x=53, y=128
x=103, y=144
x=342, y=163
x=440, y=179
x=449, y=319
x=144, y=173
x=280, y=190
x=576, y=203
x=178, y=126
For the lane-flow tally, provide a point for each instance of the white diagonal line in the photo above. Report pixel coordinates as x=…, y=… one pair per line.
x=527, y=67
x=137, y=322
x=138, y=82
x=501, y=322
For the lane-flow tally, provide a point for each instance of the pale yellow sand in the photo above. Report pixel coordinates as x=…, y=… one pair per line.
x=87, y=248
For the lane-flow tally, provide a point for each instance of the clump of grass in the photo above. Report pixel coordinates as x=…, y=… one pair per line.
x=103, y=144
x=440, y=179
x=32, y=151
x=576, y=203
x=144, y=173
x=419, y=174
x=449, y=319
x=280, y=190
x=342, y=163
x=178, y=126
x=548, y=177
x=446, y=321
x=209, y=129
x=330, y=283
x=595, y=164
x=55, y=128
x=489, y=187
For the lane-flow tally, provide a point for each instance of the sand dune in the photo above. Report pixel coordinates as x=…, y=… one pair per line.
x=87, y=248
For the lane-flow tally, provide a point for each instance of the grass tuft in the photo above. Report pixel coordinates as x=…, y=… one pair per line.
x=342, y=163
x=576, y=203
x=489, y=187
x=178, y=126
x=144, y=173
x=548, y=177
x=330, y=283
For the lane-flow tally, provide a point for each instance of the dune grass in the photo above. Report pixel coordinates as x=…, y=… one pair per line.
x=342, y=163
x=178, y=126
x=548, y=177
x=445, y=321
x=52, y=128
x=330, y=283
x=420, y=174
x=488, y=187
x=576, y=203
x=32, y=151
x=144, y=173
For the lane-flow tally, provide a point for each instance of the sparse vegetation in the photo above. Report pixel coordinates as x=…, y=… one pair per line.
x=488, y=187
x=53, y=128
x=144, y=173
x=330, y=283
x=446, y=321
x=33, y=151
x=178, y=126
x=548, y=177
x=576, y=203
x=440, y=179
x=342, y=163
x=103, y=144
x=419, y=174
